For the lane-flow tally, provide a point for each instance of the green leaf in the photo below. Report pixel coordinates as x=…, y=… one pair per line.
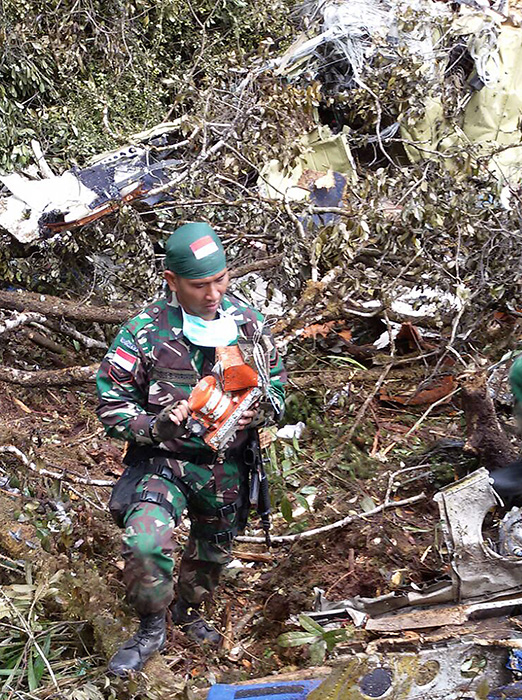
x=46, y=646
x=286, y=509
x=302, y=501
x=310, y=625
x=31, y=676
x=348, y=360
x=333, y=637
x=310, y=490
x=296, y=639
x=318, y=652
x=367, y=504
x=9, y=672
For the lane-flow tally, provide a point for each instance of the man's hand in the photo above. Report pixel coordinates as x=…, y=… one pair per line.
x=248, y=416
x=170, y=422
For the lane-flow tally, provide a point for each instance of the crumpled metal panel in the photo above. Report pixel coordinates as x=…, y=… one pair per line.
x=477, y=570
x=491, y=118
x=455, y=671
x=40, y=208
x=482, y=580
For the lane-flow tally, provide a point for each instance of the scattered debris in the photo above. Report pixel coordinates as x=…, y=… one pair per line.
x=490, y=100
x=481, y=577
x=291, y=432
x=41, y=208
x=285, y=690
x=438, y=389
x=344, y=41
x=464, y=669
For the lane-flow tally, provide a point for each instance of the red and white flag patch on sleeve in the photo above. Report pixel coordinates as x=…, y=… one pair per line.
x=203, y=246
x=124, y=359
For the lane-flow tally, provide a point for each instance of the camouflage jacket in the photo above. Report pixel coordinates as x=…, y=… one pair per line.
x=151, y=365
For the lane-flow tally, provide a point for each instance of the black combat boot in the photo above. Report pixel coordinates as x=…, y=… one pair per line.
x=187, y=617
x=133, y=654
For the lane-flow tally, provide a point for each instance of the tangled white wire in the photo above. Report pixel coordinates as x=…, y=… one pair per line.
x=262, y=362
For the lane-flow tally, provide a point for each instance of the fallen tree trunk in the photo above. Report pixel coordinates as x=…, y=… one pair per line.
x=55, y=307
x=69, y=376
x=485, y=436
x=62, y=308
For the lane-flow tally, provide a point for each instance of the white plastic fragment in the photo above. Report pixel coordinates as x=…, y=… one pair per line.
x=289, y=432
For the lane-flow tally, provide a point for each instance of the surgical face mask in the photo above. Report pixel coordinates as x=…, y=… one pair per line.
x=209, y=334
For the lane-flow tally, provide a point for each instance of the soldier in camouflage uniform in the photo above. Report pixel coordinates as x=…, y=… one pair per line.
x=143, y=385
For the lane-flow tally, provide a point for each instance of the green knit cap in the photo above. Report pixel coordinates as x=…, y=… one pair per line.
x=194, y=251
x=515, y=378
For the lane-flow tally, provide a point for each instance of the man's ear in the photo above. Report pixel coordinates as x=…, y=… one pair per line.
x=170, y=277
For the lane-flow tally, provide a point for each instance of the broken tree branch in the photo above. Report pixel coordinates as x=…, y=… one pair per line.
x=45, y=169
x=484, y=434
x=314, y=275
x=443, y=399
x=264, y=264
x=69, y=376
x=64, y=476
x=20, y=320
x=362, y=411
x=65, y=328
x=47, y=343
x=307, y=534
x=36, y=307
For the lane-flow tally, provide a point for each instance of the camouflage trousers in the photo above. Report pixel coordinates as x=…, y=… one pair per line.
x=150, y=543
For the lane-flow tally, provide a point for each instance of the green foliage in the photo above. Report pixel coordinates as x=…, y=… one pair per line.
x=34, y=650
x=316, y=636
x=65, y=65
x=113, y=259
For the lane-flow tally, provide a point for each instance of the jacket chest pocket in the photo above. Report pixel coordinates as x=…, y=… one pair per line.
x=170, y=385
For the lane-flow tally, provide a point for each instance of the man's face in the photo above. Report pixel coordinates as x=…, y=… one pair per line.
x=199, y=297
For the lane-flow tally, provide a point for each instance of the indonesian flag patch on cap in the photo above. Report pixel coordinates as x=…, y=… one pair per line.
x=194, y=251
x=123, y=359
x=203, y=246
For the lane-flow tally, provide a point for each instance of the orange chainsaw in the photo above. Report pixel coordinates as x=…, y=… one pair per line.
x=218, y=401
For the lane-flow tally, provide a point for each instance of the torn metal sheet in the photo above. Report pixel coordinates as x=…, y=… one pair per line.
x=510, y=533
x=439, y=616
x=344, y=37
x=344, y=27
x=425, y=301
x=282, y=690
x=482, y=579
x=477, y=570
x=360, y=610
x=39, y=208
x=321, y=172
x=491, y=117
x=451, y=671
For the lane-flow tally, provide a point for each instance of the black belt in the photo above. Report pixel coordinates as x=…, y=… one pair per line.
x=222, y=537
x=164, y=471
x=199, y=457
